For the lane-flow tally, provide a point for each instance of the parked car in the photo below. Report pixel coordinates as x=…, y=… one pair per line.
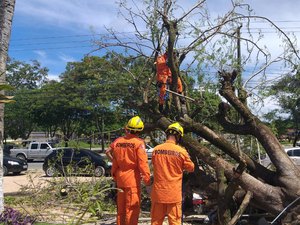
x=293, y=153
x=149, y=151
x=73, y=161
x=7, y=148
x=34, y=151
x=13, y=165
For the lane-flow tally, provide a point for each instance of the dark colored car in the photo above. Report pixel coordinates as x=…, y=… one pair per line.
x=7, y=148
x=73, y=161
x=13, y=165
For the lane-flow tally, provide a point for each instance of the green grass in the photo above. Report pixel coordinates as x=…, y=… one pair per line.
x=81, y=144
x=48, y=223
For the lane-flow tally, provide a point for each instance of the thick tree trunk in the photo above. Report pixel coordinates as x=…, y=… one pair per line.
x=219, y=141
x=287, y=174
x=268, y=196
x=271, y=198
x=224, y=215
x=282, y=189
x=6, y=16
x=271, y=194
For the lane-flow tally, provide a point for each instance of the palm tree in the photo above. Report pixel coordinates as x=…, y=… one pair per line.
x=7, y=8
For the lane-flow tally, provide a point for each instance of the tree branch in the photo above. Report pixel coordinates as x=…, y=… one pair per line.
x=228, y=125
x=260, y=190
x=220, y=142
x=242, y=208
x=192, y=9
x=264, y=135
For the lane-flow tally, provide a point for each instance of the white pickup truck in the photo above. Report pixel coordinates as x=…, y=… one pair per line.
x=35, y=151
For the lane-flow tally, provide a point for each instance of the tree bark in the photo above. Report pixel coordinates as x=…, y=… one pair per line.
x=223, y=206
x=270, y=198
x=242, y=208
x=220, y=142
x=287, y=173
x=6, y=16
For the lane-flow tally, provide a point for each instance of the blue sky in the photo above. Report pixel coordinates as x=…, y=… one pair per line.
x=59, y=31
x=55, y=32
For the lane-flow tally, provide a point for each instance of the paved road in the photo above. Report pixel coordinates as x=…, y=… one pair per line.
x=36, y=165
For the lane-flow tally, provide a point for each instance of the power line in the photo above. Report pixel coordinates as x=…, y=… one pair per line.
x=50, y=48
x=69, y=36
x=45, y=43
x=133, y=32
x=111, y=38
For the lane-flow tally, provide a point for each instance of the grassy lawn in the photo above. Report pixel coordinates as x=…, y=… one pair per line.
x=48, y=223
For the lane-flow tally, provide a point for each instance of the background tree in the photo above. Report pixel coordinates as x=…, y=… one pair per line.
x=25, y=78
x=6, y=16
x=287, y=92
x=93, y=95
x=280, y=123
x=92, y=82
x=17, y=126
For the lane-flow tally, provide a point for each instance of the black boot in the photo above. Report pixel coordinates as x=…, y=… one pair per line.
x=167, y=109
x=161, y=108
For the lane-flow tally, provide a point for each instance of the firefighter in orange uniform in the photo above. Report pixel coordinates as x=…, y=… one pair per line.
x=164, y=79
x=169, y=161
x=129, y=167
x=163, y=74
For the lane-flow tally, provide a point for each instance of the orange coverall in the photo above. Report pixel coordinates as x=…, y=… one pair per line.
x=129, y=167
x=164, y=77
x=169, y=161
x=163, y=73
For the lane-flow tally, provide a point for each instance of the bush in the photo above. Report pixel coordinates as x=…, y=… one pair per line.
x=11, y=216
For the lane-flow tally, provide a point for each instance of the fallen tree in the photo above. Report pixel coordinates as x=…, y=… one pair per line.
x=271, y=190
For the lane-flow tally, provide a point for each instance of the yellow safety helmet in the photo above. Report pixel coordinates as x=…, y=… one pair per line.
x=135, y=124
x=175, y=128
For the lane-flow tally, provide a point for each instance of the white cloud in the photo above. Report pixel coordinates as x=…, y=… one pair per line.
x=71, y=14
x=263, y=106
x=41, y=54
x=53, y=77
x=66, y=58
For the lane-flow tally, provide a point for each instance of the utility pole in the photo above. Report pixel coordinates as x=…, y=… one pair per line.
x=239, y=79
x=239, y=58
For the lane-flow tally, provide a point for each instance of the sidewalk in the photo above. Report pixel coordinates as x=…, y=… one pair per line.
x=30, y=179
x=13, y=184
